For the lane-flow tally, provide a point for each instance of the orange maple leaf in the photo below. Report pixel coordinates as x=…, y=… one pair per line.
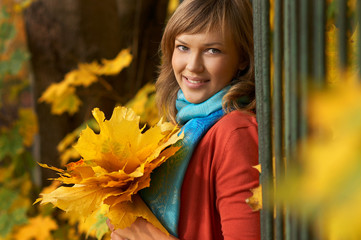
x=38, y=228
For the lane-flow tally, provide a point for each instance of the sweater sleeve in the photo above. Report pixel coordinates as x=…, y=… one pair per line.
x=235, y=176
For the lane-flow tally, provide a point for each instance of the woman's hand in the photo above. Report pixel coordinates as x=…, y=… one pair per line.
x=139, y=230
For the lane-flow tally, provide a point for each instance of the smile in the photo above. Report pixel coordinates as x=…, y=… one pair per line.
x=195, y=80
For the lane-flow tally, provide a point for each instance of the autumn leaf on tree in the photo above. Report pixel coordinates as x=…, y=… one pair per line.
x=108, y=67
x=115, y=165
x=62, y=95
x=38, y=228
x=144, y=104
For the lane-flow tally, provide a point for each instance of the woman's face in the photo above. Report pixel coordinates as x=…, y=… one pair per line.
x=204, y=63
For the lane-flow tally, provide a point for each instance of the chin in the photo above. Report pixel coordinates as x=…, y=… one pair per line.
x=196, y=100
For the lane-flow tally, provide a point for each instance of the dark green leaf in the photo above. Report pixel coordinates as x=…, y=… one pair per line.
x=2, y=47
x=9, y=220
x=7, y=31
x=17, y=60
x=24, y=163
x=4, y=68
x=11, y=143
x=7, y=197
x=4, y=15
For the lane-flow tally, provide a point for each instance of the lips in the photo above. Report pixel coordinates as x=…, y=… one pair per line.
x=195, y=80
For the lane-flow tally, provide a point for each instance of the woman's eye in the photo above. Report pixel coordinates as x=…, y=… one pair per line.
x=182, y=48
x=213, y=50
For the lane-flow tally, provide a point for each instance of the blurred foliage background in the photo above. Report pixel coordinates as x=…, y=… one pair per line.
x=58, y=61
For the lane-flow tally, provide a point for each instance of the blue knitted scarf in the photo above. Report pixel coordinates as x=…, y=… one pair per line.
x=163, y=195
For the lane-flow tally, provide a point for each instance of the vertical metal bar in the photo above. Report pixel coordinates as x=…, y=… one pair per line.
x=294, y=106
x=277, y=113
x=342, y=34
x=304, y=64
x=286, y=103
x=319, y=43
x=304, y=74
x=262, y=71
x=293, y=75
x=267, y=168
x=288, y=77
x=256, y=4
x=290, y=66
x=286, y=107
x=358, y=14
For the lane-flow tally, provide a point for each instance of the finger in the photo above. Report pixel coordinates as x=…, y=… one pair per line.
x=111, y=227
x=116, y=236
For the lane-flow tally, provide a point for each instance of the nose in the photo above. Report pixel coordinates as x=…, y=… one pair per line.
x=195, y=62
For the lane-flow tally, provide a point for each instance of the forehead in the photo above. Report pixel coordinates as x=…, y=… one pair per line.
x=212, y=35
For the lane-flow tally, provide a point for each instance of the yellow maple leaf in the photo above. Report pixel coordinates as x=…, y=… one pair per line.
x=54, y=91
x=67, y=102
x=67, y=141
x=68, y=155
x=144, y=104
x=62, y=95
x=123, y=213
x=85, y=225
x=62, y=98
x=54, y=185
x=65, y=146
x=116, y=164
x=67, y=152
x=109, y=67
x=255, y=201
x=80, y=77
x=38, y=228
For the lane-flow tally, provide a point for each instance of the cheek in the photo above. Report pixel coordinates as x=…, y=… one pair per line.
x=229, y=70
x=173, y=60
x=176, y=62
x=222, y=71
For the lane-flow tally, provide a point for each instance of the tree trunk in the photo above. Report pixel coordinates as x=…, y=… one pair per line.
x=63, y=33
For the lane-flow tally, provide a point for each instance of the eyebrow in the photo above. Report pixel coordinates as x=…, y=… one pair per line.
x=207, y=44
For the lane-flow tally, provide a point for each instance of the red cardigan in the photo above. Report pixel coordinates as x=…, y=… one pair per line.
x=218, y=180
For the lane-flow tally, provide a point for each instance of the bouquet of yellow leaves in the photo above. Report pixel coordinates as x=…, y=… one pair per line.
x=115, y=165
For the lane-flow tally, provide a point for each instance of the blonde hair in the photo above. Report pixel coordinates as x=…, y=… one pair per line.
x=198, y=16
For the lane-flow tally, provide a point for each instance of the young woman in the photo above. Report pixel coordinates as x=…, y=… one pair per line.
x=206, y=85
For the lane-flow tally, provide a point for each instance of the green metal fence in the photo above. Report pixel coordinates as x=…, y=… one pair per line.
x=296, y=47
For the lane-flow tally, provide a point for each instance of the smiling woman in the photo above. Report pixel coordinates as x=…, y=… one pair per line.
x=204, y=63
x=206, y=85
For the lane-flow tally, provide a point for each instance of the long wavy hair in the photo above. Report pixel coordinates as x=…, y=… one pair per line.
x=202, y=16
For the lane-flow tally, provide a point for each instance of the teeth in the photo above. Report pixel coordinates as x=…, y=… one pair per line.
x=193, y=81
